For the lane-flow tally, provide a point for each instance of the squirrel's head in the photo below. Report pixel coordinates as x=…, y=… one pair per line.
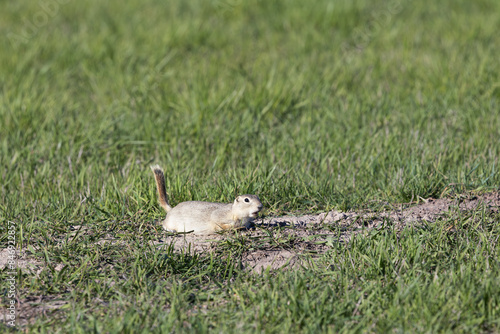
x=247, y=206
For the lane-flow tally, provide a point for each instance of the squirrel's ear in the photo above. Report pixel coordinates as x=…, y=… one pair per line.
x=237, y=199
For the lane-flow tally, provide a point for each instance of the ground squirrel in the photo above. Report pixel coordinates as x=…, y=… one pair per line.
x=206, y=217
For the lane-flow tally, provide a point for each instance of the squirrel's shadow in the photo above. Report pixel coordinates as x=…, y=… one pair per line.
x=279, y=223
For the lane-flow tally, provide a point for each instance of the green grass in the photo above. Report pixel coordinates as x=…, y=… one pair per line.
x=311, y=105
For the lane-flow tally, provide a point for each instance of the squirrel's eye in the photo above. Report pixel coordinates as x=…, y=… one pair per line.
x=247, y=200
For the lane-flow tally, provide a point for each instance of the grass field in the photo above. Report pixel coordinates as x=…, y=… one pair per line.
x=313, y=106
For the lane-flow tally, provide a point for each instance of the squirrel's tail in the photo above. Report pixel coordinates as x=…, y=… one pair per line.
x=160, y=185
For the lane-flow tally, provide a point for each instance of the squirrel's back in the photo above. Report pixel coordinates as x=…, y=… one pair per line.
x=199, y=217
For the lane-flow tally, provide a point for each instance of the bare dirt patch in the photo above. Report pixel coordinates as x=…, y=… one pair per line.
x=34, y=307
x=22, y=261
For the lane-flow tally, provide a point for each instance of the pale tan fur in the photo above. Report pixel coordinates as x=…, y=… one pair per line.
x=206, y=217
